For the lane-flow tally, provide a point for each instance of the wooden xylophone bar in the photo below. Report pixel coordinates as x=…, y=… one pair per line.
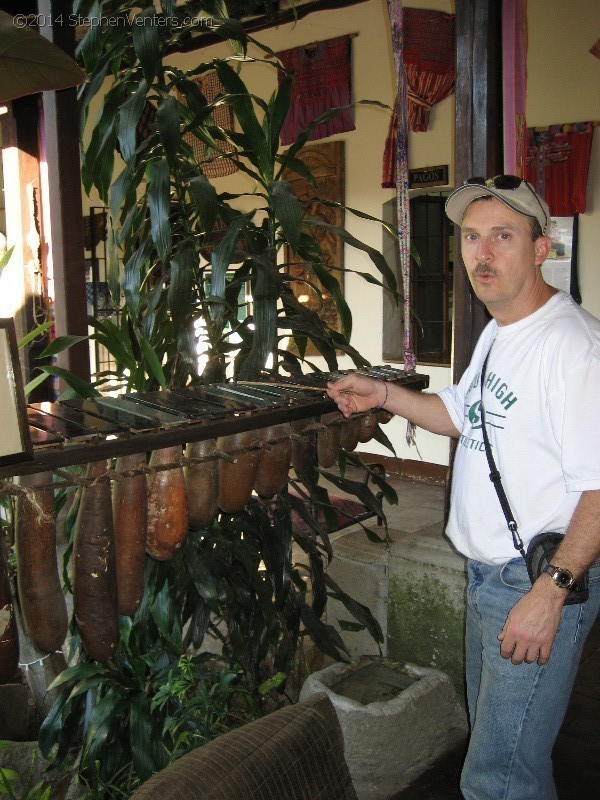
x=81, y=431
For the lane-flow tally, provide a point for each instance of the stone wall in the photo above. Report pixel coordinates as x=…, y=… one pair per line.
x=414, y=585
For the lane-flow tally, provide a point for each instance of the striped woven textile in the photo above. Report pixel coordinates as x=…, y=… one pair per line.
x=429, y=60
x=558, y=163
x=322, y=82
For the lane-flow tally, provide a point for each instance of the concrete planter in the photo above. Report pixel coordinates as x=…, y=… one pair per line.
x=397, y=719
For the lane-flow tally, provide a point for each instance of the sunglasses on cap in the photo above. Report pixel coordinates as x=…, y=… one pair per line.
x=506, y=183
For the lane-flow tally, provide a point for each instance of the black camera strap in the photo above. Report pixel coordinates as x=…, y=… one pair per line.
x=495, y=474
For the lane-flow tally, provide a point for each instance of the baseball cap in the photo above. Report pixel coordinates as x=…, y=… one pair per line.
x=514, y=192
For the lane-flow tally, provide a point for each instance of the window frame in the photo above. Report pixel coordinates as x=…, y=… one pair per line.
x=444, y=278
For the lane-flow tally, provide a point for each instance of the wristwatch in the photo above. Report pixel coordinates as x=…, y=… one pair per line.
x=561, y=577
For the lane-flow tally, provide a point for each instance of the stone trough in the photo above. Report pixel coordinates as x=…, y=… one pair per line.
x=397, y=719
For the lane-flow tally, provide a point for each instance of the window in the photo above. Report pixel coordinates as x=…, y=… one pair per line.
x=431, y=282
x=431, y=279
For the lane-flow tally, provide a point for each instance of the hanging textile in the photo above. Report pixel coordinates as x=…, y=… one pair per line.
x=322, y=81
x=514, y=83
x=429, y=60
x=403, y=209
x=430, y=68
x=214, y=165
x=557, y=164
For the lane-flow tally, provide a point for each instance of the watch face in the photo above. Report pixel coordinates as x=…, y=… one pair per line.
x=563, y=579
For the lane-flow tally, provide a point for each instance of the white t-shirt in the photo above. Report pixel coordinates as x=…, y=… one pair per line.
x=541, y=398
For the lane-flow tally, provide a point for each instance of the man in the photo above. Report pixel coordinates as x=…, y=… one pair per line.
x=540, y=393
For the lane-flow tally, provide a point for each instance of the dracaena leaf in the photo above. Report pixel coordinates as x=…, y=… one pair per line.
x=60, y=344
x=277, y=111
x=222, y=257
x=37, y=331
x=358, y=610
x=141, y=733
x=129, y=116
x=296, y=165
x=264, y=296
x=159, y=203
x=81, y=386
x=154, y=366
x=115, y=340
x=99, y=156
x=241, y=101
x=375, y=255
x=324, y=636
x=146, y=42
x=333, y=287
x=167, y=117
x=180, y=294
x=204, y=197
x=287, y=210
x=132, y=275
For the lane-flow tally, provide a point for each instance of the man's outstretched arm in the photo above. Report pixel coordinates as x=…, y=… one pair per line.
x=354, y=393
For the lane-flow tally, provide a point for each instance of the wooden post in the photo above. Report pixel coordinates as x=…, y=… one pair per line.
x=478, y=151
x=61, y=142
x=478, y=143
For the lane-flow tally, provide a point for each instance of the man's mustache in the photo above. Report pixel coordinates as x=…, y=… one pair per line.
x=484, y=269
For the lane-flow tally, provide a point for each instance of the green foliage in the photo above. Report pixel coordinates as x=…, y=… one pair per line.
x=58, y=345
x=14, y=786
x=5, y=258
x=173, y=233
x=160, y=695
x=147, y=706
x=196, y=704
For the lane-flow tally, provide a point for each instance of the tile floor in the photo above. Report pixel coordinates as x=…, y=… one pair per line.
x=577, y=750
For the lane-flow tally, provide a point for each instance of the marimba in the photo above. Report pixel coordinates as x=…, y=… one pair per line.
x=159, y=465
x=80, y=431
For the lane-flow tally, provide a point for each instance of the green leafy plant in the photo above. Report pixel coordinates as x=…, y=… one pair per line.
x=235, y=580
x=172, y=230
x=131, y=717
x=196, y=703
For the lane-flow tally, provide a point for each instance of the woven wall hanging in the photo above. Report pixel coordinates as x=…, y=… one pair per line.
x=214, y=165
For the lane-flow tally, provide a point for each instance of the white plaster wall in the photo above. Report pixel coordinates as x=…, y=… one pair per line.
x=563, y=85
x=589, y=228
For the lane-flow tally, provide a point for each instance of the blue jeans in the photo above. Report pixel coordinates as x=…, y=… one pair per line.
x=516, y=711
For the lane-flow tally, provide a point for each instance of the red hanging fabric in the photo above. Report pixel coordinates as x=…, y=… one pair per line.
x=322, y=81
x=429, y=60
x=557, y=164
x=429, y=65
